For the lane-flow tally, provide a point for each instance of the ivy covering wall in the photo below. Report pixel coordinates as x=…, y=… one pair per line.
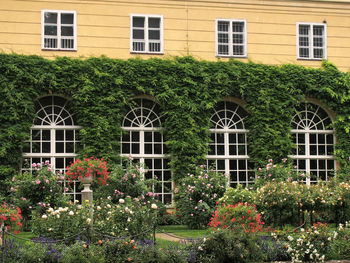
x=186, y=89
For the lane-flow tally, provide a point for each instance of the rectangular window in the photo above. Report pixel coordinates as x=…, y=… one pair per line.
x=311, y=41
x=59, y=30
x=231, y=38
x=146, y=34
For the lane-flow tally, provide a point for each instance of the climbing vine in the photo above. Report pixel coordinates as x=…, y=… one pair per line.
x=187, y=91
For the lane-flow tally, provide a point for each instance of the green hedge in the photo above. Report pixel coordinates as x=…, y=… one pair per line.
x=187, y=91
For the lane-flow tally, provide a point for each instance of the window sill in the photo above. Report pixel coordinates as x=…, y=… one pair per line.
x=56, y=49
x=312, y=59
x=228, y=56
x=146, y=53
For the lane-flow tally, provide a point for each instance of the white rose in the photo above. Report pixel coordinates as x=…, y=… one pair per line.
x=154, y=206
x=108, y=206
x=88, y=221
x=99, y=208
x=44, y=216
x=71, y=213
x=122, y=201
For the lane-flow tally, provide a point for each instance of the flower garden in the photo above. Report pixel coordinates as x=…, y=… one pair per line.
x=278, y=218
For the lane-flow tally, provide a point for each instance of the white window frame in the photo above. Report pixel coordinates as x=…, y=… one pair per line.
x=139, y=125
x=146, y=40
x=53, y=127
x=59, y=37
x=227, y=131
x=308, y=157
x=230, y=41
x=311, y=41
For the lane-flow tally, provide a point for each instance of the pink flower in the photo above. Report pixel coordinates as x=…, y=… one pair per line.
x=269, y=174
x=37, y=181
x=33, y=164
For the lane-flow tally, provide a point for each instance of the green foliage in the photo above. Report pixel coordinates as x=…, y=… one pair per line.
x=197, y=195
x=36, y=191
x=228, y=246
x=187, y=90
x=236, y=195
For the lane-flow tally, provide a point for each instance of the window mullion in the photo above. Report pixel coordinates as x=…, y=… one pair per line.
x=146, y=34
x=312, y=41
x=230, y=38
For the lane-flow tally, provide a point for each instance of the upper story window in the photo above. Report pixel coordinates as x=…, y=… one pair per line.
x=311, y=41
x=59, y=30
x=231, y=38
x=146, y=34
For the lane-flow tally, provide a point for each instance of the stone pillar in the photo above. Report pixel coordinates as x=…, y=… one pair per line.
x=86, y=194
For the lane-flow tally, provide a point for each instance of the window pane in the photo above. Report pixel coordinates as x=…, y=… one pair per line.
x=318, y=53
x=138, y=21
x=223, y=26
x=318, y=30
x=223, y=49
x=237, y=27
x=138, y=34
x=237, y=39
x=154, y=34
x=59, y=147
x=304, y=52
x=67, y=18
x=50, y=30
x=222, y=38
x=67, y=31
x=238, y=50
x=304, y=29
x=154, y=22
x=50, y=18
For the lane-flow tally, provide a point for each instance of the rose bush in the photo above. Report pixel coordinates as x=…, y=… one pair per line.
x=10, y=217
x=197, y=195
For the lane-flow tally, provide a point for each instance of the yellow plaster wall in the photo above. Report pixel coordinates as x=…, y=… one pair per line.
x=103, y=27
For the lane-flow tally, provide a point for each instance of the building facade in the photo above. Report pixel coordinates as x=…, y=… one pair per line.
x=271, y=32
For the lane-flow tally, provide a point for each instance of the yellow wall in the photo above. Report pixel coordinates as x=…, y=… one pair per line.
x=103, y=27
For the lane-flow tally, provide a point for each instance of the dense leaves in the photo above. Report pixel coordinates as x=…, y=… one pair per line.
x=187, y=91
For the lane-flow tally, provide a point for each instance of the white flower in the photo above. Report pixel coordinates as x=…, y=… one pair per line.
x=99, y=208
x=58, y=216
x=122, y=201
x=154, y=206
x=44, y=216
x=71, y=213
x=50, y=229
x=200, y=248
x=79, y=207
x=129, y=219
x=109, y=206
x=127, y=209
x=50, y=210
x=290, y=238
x=88, y=221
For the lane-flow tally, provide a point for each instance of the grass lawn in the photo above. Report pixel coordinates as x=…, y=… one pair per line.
x=184, y=231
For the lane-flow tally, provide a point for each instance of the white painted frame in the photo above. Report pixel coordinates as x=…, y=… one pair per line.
x=141, y=129
x=146, y=28
x=53, y=127
x=227, y=129
x=59, y=37
x=307, y=131
x=311, y=41
x=230, y=40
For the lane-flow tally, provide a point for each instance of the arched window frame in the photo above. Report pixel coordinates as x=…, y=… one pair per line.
x=315, y=141
x=142, y=139
x=53, y=138
x=229, y=136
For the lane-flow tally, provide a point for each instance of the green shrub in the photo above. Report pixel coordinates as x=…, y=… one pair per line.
x=36, y=190
x=197, y=195
x=226, y=246
x=237, y=195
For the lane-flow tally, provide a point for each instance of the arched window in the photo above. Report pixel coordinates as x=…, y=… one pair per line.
x=54, y=135
x=314, y=139
x=229, y=149
x=143, y=140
